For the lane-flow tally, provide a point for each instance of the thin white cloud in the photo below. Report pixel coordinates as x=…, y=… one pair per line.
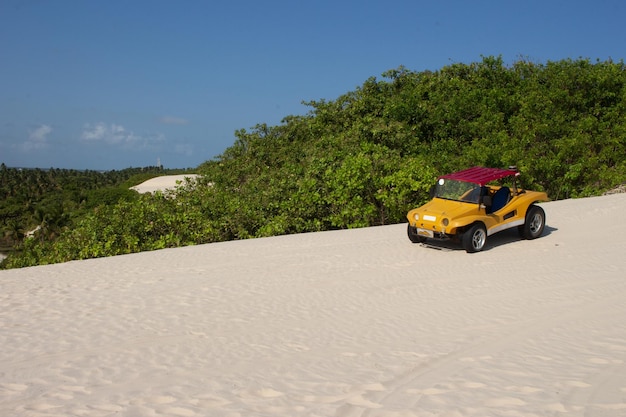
x=94, y=133
x=37, y=138
x=40, y=134
x=117, y=135
x=171, y=120
x=111, y=134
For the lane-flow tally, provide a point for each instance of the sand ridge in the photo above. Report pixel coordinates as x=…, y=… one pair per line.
x=163, y=183
x=342, y=323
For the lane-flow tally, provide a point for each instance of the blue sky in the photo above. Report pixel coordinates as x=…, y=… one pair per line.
x=115, y=84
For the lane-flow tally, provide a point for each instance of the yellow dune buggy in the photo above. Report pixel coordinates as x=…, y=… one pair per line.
x=469, y=205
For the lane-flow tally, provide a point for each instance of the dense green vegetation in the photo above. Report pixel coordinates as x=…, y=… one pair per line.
x=43, y=203
x=370, y=155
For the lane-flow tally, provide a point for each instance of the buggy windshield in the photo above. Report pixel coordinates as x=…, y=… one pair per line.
x=458, y=190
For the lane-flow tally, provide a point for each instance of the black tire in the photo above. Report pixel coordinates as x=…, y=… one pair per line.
x=534, y=223
x=475, y=238
x=413, y=236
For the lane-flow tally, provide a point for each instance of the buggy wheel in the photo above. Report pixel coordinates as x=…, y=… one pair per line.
x=534, y=223
x=413, y=236
x=474, y=239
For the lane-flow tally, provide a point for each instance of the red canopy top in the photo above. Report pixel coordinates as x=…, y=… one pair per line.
x=480, y=175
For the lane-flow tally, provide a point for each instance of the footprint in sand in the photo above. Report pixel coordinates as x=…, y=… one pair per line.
x=162, y=399
x=212, y=402
x=473, y=359
x=504, y=402
x=359, y=401
x=268, y=393
x=541, y=358
x=523, y=389
x=111, y=408
x=179, y=411
x=62, y=396
x=434, y=391
x=75, y=388
x=473, y=385
x=427, y=391
x=41, y=407
x=297, y=347
x=261, y=393
x=556, y=407
x=377, y=386
x=578, y=384
x=12, y=388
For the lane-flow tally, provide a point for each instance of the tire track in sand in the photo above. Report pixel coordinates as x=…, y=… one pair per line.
x=425, y=381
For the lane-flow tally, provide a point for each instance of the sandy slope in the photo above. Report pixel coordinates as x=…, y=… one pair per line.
x=347, y=323
x=162, y=183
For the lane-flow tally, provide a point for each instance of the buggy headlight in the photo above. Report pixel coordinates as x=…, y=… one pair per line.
x=416, y=216
x=445, y=222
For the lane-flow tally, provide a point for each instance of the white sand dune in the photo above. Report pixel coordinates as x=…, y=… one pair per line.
x=163, y=183
x=345, y=323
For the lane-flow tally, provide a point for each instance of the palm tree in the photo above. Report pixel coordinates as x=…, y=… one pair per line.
x=15, y=231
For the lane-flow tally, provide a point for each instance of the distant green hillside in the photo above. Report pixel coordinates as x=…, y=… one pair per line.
x=368, y=156
x=51, y=200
